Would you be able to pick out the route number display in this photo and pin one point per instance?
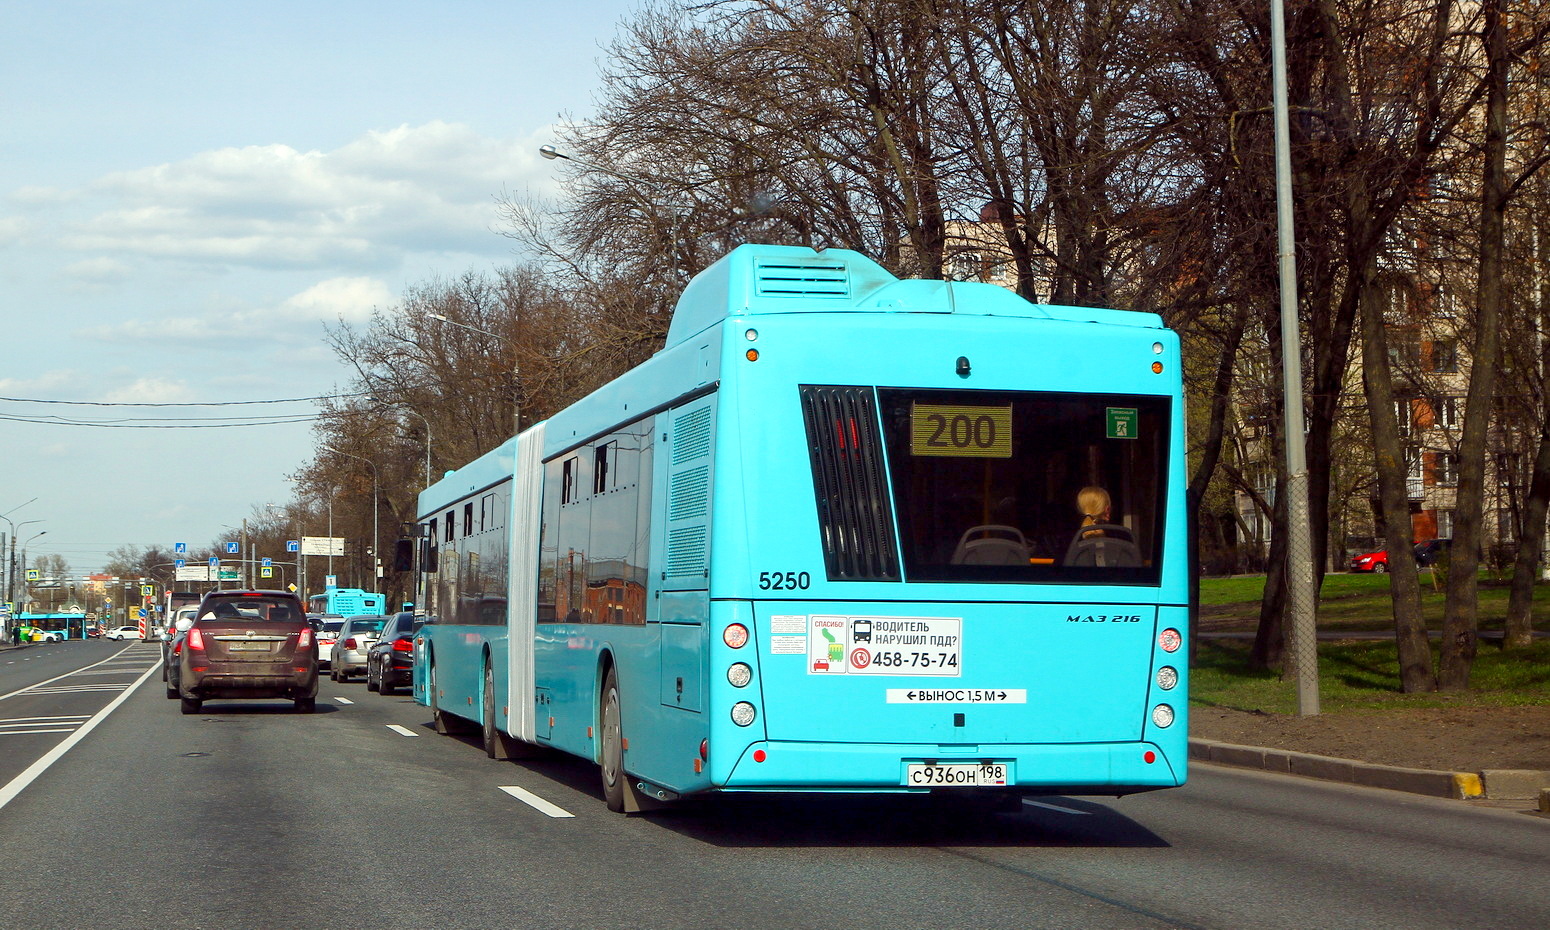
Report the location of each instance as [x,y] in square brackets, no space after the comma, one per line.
[961,431]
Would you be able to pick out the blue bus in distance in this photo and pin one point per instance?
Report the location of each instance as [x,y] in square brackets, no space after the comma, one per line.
[844,533]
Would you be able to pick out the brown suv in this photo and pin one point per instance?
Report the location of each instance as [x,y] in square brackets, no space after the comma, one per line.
[247,644]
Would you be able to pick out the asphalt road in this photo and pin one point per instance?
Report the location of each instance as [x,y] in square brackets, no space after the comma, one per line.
[250,816]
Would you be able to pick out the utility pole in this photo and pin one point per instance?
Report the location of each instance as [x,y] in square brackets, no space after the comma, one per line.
[1302,627]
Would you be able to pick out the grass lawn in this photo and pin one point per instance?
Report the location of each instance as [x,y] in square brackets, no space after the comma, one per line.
[1352,601]
[1364,675]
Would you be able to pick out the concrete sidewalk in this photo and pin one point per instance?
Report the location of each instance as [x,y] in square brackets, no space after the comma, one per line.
[1491,784]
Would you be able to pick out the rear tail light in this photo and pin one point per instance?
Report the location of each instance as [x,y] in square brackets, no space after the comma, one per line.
[403,645]
[1162,715]
[1167,678]
[196,640]
[735,635]
[304,641]
[1169,640]
[350,643]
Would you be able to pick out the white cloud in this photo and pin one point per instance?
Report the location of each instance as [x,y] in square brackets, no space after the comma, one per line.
[422,188]
[296,320]
[348,299]
[61,382]
[98,271]
[152,390]
[12,229]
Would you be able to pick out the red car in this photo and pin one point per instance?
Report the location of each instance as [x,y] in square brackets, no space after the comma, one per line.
[1426,554]
[1371,562]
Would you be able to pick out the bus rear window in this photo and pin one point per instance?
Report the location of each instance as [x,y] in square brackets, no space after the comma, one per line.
[1017,486]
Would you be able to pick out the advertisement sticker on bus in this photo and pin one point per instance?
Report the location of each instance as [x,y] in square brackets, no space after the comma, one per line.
[885,646]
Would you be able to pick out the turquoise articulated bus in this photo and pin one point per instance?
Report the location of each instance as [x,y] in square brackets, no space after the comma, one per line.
[844,532]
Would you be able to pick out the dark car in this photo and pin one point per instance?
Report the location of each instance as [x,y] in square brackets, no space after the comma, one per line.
[1429,552]
[245,645]
[390,661]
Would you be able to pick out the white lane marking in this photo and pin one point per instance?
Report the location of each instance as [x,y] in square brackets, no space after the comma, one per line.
[534,801]
[18,784]
[22,721]
[81,689]
[68,674]
[5,732]
[1056,807]
[401,731]
[344,700]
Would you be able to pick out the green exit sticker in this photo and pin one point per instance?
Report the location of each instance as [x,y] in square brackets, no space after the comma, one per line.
[1120,423]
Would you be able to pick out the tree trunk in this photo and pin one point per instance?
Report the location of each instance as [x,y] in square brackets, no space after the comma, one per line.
[1270,635]
[1519,632]
[1460,619]
[1415,655]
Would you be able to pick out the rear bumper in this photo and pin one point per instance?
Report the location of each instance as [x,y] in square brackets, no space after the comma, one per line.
[250,686]
[1085,768]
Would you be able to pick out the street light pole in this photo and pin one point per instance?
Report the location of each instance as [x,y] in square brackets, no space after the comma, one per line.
[375,537]
[516,369]
[1300,584]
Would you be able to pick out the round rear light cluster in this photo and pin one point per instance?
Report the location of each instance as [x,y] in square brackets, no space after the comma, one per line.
[1162,715]
[735,635]
[742,713]
[1167,678]
[1169,640]
[739,674]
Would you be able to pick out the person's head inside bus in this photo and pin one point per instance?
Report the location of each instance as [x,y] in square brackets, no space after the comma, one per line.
[1094,504]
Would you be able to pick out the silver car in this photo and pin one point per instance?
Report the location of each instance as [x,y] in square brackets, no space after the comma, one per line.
[356,637]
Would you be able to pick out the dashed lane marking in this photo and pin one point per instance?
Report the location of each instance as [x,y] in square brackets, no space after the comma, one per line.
[26,726]
[79,689]
[1056,807]
[344,700]
[534,801]
[401,731]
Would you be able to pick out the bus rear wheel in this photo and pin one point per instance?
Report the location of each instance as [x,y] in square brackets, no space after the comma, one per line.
[612,762]
[618,787]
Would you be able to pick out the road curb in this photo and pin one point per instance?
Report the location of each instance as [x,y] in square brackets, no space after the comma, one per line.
[1493,784]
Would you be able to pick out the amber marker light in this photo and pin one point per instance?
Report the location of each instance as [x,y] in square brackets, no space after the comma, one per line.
[1157,368]
[752,354]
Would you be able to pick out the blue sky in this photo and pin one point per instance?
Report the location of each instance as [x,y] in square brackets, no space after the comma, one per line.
[191,191]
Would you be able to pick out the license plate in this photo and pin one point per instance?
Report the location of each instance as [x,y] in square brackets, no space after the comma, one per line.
[248,647]
[956,774]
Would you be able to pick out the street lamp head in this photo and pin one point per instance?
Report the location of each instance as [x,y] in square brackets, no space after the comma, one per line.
[550,152]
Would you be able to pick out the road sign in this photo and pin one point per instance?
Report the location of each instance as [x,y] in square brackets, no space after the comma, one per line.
[322,545]
[266,563]
[180,548]
[147,590]
[231,548]
[266,572]
[292,545]
[214,561]
[178,563]
[33,574]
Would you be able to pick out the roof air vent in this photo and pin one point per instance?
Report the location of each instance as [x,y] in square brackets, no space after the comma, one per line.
[785,278]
